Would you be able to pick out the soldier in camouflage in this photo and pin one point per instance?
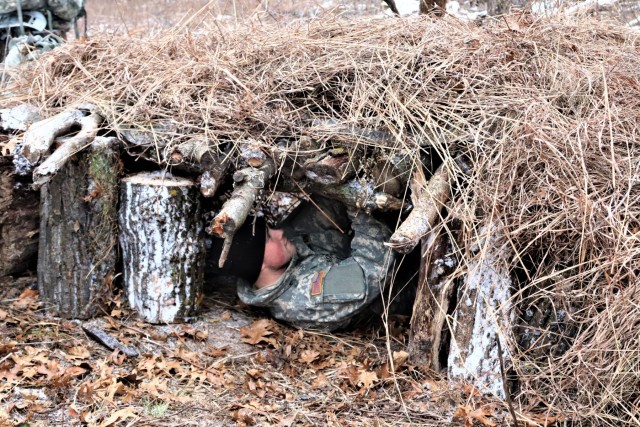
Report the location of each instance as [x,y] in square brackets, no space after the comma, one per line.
[324,266]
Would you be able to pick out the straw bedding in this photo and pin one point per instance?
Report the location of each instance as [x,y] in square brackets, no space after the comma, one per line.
[548,111]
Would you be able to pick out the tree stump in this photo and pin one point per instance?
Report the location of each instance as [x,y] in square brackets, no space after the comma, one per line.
[19,222]
[162,240]
[78,234]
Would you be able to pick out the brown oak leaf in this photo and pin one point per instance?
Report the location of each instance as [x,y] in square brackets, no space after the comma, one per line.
[258,332]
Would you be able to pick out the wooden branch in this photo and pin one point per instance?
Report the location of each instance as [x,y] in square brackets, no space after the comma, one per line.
[101,337]
[213,169]
[345,132]
[360,194]
[252,154]
[39,138]
[70,146]
[234,212]
[428,200]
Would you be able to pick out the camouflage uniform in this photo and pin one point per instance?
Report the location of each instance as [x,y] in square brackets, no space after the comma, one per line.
[63,9]
[334,275]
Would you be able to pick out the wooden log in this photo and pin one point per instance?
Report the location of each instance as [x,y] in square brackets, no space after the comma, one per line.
[19,221]
[19,117]
[78,234]
[202,156]
[249,182]
[161,235]
[391,173]
[428,200]
[436,288]
[19,205]
[332,168]
[483,315]
[360,194]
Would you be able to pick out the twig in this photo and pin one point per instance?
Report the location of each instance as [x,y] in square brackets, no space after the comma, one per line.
[507,396]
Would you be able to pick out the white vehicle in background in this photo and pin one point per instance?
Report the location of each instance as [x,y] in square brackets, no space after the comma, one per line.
[29,28]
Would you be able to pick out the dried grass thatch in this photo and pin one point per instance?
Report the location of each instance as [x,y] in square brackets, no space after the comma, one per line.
[548,111]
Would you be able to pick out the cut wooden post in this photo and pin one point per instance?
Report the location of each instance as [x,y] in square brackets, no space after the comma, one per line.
[436,286]
[162,240]
[483,315]
[78,231]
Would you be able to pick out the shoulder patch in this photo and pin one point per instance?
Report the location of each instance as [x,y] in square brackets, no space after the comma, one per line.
[317,283]
[345,282]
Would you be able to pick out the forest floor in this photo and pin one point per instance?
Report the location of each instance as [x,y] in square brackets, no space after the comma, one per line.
[232,366]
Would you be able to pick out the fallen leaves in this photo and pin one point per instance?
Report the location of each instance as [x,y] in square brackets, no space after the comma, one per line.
[367,379]
[469,416]
[259,332]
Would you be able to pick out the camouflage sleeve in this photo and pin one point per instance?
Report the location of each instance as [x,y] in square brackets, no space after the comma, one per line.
[251,295]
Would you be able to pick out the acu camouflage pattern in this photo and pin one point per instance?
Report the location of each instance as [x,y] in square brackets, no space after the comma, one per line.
[334,276]
[63,9]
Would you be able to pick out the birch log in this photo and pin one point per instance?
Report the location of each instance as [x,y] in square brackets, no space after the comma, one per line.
[161,235]
[78,236]
[483,315]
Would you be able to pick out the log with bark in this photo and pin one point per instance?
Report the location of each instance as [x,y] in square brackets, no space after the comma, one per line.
[483,315]
[161,235]
[78,230]
[19,205]
[436,288]
[19,224]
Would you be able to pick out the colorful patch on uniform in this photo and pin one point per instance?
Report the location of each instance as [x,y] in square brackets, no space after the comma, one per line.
[316,285]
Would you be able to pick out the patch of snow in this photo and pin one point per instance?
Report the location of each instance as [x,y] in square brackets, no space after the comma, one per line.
[21,165]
